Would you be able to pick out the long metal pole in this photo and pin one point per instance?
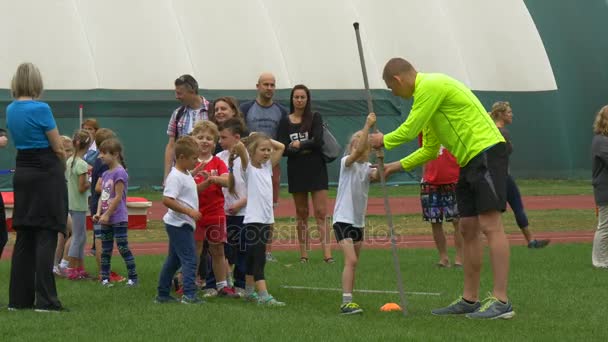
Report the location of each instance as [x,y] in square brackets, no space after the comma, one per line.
[380,157]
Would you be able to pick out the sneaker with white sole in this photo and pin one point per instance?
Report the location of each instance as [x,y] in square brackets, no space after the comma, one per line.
[165,299]
[457,307]
[132,283]
[270,258]
[208,293]
[492,308]
[350,309]
[252,297]
[106,283]
[270,301]
[192,300]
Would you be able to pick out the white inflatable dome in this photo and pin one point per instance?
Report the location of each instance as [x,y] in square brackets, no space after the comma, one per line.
[146,44]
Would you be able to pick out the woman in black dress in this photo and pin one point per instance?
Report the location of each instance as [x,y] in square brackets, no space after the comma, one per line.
[40,208]
[302,134]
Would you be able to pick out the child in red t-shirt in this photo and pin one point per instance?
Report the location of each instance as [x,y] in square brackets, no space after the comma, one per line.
[438,200]
[210,174]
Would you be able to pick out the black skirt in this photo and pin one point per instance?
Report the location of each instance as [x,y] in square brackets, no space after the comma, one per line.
[306,172]
[41,194]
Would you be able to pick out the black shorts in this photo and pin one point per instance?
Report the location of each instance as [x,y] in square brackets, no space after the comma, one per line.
[482,184]
[347,231]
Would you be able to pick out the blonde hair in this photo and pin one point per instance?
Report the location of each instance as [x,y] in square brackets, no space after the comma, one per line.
[186,146]
[206,125]
[600,125]
[68,146]
[253,141]
[354,137]
[27,81]
[498,109]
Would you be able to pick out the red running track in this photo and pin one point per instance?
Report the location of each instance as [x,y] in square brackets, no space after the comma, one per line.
[411,205]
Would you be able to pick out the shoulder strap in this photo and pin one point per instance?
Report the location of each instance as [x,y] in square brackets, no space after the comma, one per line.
[178,117]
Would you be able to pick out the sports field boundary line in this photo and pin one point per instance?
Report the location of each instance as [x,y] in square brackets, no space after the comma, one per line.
[293,287]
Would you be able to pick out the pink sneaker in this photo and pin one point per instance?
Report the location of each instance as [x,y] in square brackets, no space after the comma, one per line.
[73,273]
[227,292]
[82,274]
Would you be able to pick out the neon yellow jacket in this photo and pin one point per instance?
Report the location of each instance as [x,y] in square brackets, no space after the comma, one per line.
[449,114]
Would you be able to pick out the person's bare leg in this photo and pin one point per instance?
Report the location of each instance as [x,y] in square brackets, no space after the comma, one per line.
[527,234]
[458,243]
[441,243]
[491,225]
[351,257]
[300,200]
[319,204]
[218,261]
[59,248]
[473,252]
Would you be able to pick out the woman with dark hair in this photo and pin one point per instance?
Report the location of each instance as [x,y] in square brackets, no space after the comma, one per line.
[302,134]
[40,208]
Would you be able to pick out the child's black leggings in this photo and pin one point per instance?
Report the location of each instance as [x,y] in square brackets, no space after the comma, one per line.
[256,237]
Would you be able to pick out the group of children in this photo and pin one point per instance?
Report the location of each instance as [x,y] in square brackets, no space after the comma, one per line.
[97,181]
[227,200]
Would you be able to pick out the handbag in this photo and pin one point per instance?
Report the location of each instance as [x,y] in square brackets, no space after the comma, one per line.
[330,150]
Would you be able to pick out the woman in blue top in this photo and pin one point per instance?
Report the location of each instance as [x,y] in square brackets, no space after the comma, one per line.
[40,208]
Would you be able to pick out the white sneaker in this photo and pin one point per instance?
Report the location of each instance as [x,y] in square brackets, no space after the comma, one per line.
[106,283]
[240,291]
[131,283]
[270,258]
[207,293]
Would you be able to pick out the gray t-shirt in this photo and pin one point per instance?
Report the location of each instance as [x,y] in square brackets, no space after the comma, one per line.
[263,119]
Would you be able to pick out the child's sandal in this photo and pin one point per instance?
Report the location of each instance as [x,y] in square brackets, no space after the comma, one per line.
[329,260]
[303,260]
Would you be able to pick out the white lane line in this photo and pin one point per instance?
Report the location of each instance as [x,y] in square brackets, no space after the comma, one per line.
[362,291]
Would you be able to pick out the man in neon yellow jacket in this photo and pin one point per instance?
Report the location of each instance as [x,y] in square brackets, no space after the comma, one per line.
[449,114]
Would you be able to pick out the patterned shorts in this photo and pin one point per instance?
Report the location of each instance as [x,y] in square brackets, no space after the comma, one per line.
[438,202]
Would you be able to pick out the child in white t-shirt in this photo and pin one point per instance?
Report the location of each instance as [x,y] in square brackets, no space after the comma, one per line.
[351,206]
[235,200]
[265,154]
[181,198]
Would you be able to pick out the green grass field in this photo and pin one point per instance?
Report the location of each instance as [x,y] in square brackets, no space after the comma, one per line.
[556,295]
[528,187]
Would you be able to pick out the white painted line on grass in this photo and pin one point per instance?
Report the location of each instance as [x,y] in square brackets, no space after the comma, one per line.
[362,291]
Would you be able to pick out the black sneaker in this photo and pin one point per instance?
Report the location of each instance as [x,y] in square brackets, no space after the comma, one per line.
[350,309]
[52,309]
[538,243]
[165,299]
[457,307]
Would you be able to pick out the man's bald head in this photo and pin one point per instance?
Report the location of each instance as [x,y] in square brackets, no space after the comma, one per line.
[396,67]
[266,76]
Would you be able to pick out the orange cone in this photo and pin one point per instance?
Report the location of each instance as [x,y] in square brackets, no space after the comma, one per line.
[390,307]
